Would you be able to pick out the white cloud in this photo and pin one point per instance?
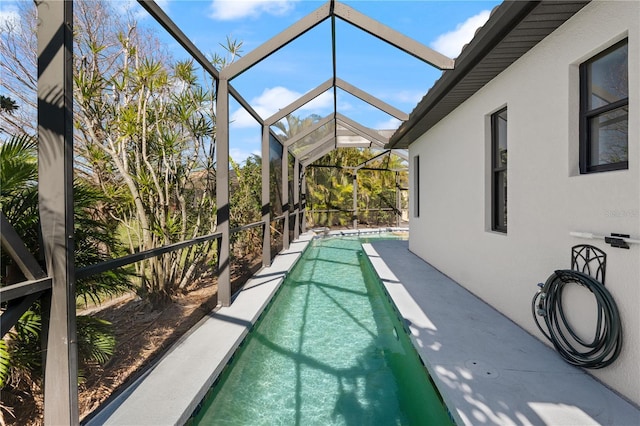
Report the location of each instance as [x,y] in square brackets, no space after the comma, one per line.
[225,10]
[275,98]
[240,155]
[164,4]
[451,43]
[132,7]
[390,124]
[9,18]
[403,96]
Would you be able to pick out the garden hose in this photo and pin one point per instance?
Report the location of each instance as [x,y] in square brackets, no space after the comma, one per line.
[607,341]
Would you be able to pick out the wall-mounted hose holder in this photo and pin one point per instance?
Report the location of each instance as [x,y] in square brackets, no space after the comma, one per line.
[590,260]
[618,240]
[614,240]
[589,266]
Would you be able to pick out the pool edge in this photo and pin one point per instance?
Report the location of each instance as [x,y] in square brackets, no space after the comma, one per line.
[169,391]
[402,305]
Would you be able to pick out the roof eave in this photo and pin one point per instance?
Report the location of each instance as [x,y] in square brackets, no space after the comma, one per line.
[503,20]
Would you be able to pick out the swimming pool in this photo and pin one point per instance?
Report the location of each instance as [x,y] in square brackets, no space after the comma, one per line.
[329,349]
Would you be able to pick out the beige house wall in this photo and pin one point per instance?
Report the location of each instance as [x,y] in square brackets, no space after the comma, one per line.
[547,197]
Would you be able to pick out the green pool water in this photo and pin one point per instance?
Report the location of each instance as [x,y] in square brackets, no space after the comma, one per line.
[329,350]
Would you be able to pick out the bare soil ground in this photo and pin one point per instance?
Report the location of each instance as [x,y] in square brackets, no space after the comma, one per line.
[142,336]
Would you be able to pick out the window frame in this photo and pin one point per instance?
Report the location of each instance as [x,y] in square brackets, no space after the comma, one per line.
[586,115]
[496,171]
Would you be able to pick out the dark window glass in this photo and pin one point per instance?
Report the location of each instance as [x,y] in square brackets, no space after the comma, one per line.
[608,137]
[604,110]
[416,186]
[501,201]
[499,171]
[501,138]
[608,79]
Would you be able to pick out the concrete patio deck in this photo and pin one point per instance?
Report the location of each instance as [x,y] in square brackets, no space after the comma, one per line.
[488,370]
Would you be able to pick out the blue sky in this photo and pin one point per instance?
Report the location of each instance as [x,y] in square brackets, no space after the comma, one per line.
[362,60]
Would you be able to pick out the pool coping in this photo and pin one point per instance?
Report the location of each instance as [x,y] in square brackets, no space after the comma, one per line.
[169,392]
[479,382]
[488,369]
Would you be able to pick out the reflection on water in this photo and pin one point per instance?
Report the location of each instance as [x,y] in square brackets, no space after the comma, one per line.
[326,352]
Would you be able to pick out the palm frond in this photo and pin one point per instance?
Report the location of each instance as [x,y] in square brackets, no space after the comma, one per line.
[96,341]
[5,363]
[18,161]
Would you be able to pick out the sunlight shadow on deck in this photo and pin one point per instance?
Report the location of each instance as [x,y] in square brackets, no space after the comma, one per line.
[488,369]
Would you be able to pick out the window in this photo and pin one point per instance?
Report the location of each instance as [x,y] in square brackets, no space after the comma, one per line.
[499,171]
[604,110]
[416,186]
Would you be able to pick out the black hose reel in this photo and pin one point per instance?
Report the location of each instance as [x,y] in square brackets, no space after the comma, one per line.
[588,270]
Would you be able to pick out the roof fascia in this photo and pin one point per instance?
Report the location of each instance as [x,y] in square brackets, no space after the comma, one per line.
[503,20]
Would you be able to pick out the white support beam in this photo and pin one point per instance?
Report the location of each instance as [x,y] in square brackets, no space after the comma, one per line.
[303,198]
[372,100]
[326,149]
[234,93]
[393,37]
[360,129]
[55,203]
[302,100]
[286,208]
[402,153]
[306,132]
[266,198]
[354,197]
[328,138]
[276,43]
[222,193]
[296,198]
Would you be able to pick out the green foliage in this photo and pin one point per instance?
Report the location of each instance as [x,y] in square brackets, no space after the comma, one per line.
[19,165]
[18,191]
[246,191]
[96,341]
[94,242]
[146,133]
[330,189]
[5,363]
[246,202]
[7,105]
[21,352]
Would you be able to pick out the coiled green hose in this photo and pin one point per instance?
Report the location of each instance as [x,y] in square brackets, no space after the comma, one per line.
[607,341]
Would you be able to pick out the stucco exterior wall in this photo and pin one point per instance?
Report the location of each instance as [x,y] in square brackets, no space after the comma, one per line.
[547,197]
